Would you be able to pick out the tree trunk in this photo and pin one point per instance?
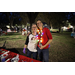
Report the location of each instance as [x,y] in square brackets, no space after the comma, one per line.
[59,29]
[31,21]
[11,23]
[32,17]
[50,24]
[21,29]
[31,24]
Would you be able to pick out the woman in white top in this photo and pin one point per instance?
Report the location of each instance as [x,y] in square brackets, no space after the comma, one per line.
[31,43]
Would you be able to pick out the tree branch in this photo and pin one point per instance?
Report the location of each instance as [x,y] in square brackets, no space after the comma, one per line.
[36,13]
[28,14]
[7,14]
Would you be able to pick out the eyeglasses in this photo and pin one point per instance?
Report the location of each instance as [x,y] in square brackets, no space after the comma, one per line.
[39,23]
[33,27]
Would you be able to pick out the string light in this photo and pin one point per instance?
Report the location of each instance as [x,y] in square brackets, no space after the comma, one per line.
[39,32]
[36,36]
[41,40]
[37,41]
[41,35]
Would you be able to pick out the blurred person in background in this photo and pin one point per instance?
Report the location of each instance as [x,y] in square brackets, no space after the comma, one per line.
[0,32]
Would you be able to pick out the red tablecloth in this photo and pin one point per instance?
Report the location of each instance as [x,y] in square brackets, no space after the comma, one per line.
[21,57]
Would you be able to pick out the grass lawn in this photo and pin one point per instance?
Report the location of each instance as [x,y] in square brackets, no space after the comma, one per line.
[62,48]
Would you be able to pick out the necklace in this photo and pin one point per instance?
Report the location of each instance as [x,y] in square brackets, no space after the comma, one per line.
[39,32]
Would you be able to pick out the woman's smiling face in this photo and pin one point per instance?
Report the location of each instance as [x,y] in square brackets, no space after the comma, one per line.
[34,28]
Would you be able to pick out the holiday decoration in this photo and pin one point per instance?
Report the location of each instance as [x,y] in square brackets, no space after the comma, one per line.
[39,32]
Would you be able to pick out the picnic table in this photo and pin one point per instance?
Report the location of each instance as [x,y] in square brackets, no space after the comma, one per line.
[8,56]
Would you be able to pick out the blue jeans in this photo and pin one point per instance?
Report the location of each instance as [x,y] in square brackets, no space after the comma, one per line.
[29,54]
[43,54]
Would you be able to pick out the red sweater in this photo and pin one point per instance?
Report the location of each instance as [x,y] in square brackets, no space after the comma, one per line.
[46,36]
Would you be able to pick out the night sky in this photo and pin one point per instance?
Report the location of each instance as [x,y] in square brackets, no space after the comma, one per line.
[19,19]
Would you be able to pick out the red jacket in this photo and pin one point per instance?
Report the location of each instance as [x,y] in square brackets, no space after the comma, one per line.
[46,36]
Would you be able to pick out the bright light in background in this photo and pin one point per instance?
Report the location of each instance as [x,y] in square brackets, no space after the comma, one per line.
[71,26]
[8,26]
[65,27]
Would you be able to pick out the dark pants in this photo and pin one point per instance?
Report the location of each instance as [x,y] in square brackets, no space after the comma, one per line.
[43,54]
[29,54]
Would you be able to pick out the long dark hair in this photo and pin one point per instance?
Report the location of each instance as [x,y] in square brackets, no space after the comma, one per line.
[38,28]
[39,19]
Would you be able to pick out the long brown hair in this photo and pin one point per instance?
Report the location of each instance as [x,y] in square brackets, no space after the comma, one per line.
[38,28]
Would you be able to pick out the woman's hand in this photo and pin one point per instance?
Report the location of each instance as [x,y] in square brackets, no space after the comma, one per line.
[41,47]
[24,50]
